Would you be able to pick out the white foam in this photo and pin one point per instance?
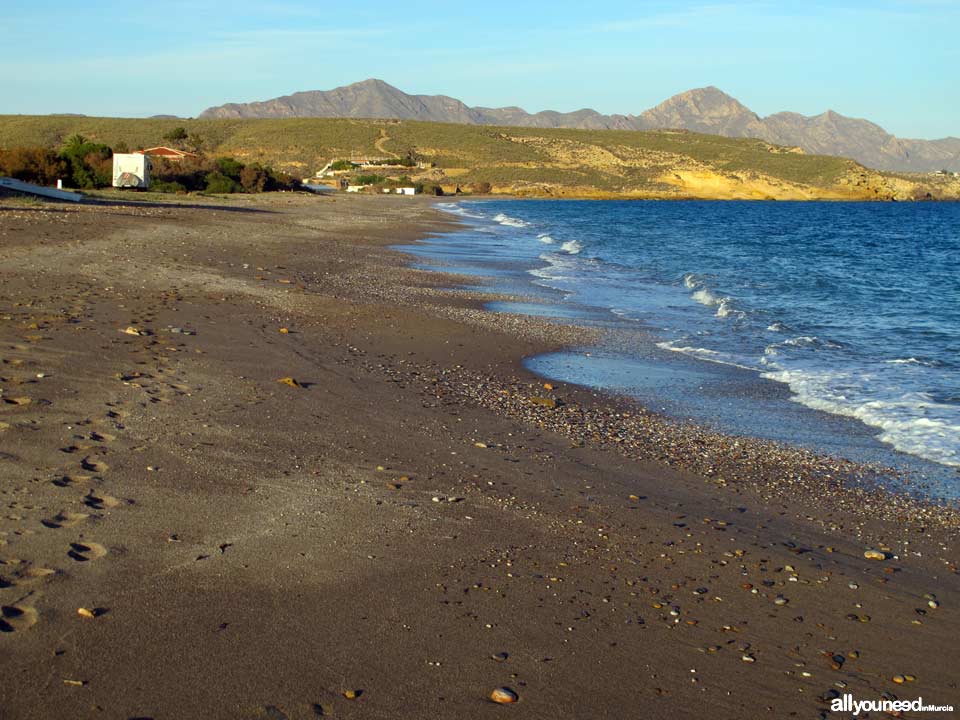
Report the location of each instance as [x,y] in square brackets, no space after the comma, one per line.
[544,238]
[504,219]
[571,247]
[704,354]
[910,422]
[691,281]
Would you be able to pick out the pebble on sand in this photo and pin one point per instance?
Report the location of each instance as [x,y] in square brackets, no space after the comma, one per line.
[504,696]
[875,555]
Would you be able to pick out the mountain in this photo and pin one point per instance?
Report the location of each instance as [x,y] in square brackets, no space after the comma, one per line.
[704,110]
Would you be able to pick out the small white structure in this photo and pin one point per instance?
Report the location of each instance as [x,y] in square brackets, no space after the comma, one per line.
[356,188]
[406,191]
[131,170]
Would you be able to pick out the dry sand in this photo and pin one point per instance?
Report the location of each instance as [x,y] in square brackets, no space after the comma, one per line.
[401,530]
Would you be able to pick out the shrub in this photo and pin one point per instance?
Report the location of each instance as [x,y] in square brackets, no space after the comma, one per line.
[176,135]
[369,179]
[33,164]
[217,182]
[90,163]
[254,179]
[342,165]
[230,167]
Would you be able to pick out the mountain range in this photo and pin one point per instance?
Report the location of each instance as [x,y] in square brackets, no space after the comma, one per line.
[705,110]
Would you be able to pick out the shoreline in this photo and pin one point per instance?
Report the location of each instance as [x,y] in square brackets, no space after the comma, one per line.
[599,338]
[397,519]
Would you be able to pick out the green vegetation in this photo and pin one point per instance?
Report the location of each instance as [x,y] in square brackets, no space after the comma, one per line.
[603,159]
[342,165]
[369,179]
[178,134]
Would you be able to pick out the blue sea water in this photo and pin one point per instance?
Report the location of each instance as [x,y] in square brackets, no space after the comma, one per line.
[852,308]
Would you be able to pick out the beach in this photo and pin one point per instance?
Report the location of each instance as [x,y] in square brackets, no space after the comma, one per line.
[257,466]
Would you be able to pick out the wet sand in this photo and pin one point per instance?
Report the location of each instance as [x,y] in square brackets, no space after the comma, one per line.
[414,520]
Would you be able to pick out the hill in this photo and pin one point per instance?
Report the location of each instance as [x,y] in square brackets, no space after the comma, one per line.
[706,110]
[516,160]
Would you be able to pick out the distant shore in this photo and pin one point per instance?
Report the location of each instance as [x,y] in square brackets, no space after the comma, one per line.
[284,474]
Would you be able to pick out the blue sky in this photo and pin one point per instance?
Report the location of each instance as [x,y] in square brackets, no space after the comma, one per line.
[891,61]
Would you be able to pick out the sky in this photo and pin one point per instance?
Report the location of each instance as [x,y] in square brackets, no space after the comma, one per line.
[894,62]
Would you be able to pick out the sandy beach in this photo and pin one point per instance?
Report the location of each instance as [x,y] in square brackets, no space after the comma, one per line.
[255,466]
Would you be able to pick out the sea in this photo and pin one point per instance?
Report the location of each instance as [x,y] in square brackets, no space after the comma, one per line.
[828,325]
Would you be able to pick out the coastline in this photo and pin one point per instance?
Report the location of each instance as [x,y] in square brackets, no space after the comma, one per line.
[272,508]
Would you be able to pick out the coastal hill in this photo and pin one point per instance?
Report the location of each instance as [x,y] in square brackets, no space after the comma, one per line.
[544,162]
[706,110]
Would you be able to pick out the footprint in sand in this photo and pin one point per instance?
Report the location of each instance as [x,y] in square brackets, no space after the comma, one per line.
[34,574]
[17,401]
[101,502]
[86,551]
[26,576]
[71,449]
[16,618]
[92,465]
[70,480]
[64,520]
[102,437]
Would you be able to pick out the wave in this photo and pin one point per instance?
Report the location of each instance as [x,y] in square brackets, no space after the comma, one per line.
[705,354]
[505,219]
[544,238]
[704,296]
[571,247]
[907,422]
[456,209]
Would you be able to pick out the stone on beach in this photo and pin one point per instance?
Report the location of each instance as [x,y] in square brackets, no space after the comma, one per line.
[875,555]
[504,696]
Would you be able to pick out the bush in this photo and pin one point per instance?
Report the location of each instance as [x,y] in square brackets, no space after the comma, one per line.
[368,179]
[217,182]
[342,165]
[167,187]
[230,167]
[33,164]
[90,163]
[176,135]
[254,179]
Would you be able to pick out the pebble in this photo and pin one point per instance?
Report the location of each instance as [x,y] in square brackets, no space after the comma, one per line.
[875,555]
[748,658]
[504,696]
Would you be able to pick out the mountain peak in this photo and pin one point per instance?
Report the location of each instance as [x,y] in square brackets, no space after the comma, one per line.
[705,109]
